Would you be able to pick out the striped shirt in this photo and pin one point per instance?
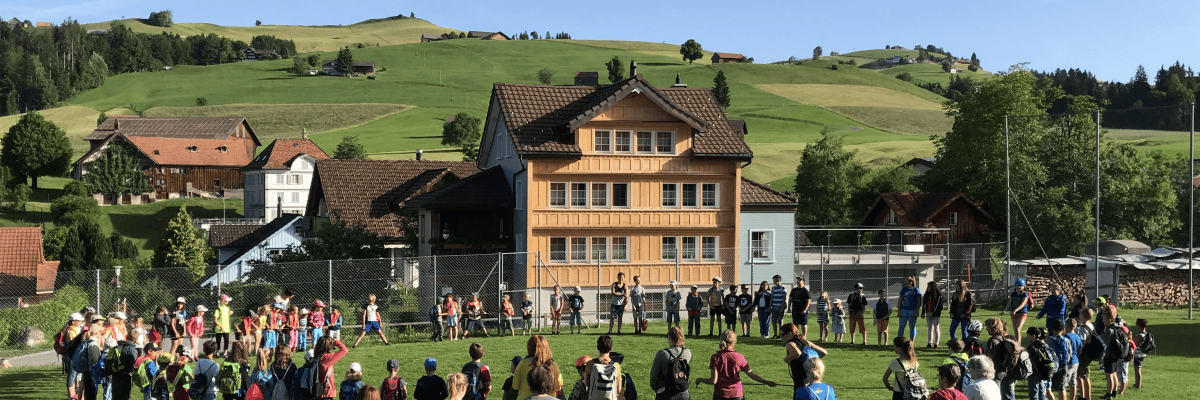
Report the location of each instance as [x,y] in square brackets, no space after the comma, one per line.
[778,295]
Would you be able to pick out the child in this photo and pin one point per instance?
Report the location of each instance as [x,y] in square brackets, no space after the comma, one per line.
[316,319]
[1038,385]
[1145,344]
[352,383]
[579,391]
[150,354]
[436,314]
[245,329]
[274,330]
[673,299]
[960,358]
[948,374]
[506,314]
[746,309]
[883,310]
[823,315]
[478,372]
[838,319]
[731,309]
[222,317]
[556,306]
[510,392]
[526,315]
[762,300]
[177,375]
[726,366]
[370,321]
[195,327]
[138,334]
[475,312]
[160,325]
[393,387]
[694,304]
[900,366]
[603,373]
[292,326]
[335,323]
[637,296]
[1066,346]
[178,319]
[431,386]
[302,331]
[576,303]
[451,308]
[262,326]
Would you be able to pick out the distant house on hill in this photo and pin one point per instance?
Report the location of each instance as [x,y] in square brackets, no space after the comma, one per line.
[44,25]
[15,23]
[98,32]
[587,78]
[433,37]
[278,179]
[26,277]
[478,34]
[723,58]
[329,67]
[965,217]
[922,165]
[497,36]
[252,54]
[182,157]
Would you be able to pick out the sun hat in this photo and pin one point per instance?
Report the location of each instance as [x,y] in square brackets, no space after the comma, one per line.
[304,310]
[310,354]
[181,299]
[582,361]
[430,363]
[119,315]
[673,283]
[226,298]
[75,317]
[356,367]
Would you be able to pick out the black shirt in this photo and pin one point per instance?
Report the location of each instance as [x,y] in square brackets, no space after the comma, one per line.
[856,304]
[745,303]
[731,304]
[800,296]
[576,302]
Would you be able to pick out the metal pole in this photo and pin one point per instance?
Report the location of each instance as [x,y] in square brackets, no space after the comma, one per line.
[1096,257]
[97,293]
[1007,200]
[330,283]
[1191,205]
[499,289]
[539,293]
[598,308]
[677,263]
[822,259]
[887,259]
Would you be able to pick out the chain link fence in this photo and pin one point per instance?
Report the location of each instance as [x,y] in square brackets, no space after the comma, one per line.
[836,269]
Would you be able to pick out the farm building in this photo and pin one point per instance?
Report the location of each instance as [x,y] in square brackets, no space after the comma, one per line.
[26,277]
[238,246]
[44,25]
[591,78]
[722,58]
[182,156]
[277,181]
[433,37]
[496,36]
[329,67]
[965,218]
[252,54]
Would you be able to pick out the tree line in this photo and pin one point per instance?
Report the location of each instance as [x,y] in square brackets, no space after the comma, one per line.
[1159,106]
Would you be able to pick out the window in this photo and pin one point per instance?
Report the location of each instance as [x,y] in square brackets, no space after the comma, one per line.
[623,140]
[274,252]
[620,249]
[162,182]
[708,248]
[193,148]
[599,195]
[603,142]
[709,198]
[669,193]
[666,142]
[620,195]
[645,142]
[688,248]
[579,192]
[558,249]
[669,248]
[278,178]
[891,217]
[760,245]
[689,195]
[295,197]
[599,249]
[558,194]
[223,149]
[579,250]
[953,218]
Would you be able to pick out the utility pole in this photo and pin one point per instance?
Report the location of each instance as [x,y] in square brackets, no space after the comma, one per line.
[1096,257]
[1007,201]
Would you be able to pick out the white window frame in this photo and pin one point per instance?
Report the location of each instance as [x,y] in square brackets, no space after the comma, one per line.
[599,248]
[689,255]
[598,200]
[587,189]
[891,219]
[562,254]
[602,141]
[716,195]
[673,254]
[572,251]
[953,218]
[769,245]
[695,198]
[613,194]
[628,142]
[657,136]
[624,248]
[566,197]
[637,136]
[674,195]
[279,179]
[715,246]
[295,197]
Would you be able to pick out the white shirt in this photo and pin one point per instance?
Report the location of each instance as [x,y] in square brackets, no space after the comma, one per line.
[371,312]
[986,389]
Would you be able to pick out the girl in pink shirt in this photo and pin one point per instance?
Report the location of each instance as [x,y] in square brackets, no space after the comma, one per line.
[195,327]
[316,319]
[726,367]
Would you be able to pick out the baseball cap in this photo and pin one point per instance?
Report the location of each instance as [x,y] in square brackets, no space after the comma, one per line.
[1019,282]
[582,361]
[201,308]
[308,355]
[430,363]
[320,304]
[75,317]
[86,310]
[858,286]
[578,289]
[695,287]
[119,315]
[225,297]
[673,283]
[151,347]
[356,367]
[393,364]
[181,299]
[1102,300]
[717,278]
[97,317]
[517,360]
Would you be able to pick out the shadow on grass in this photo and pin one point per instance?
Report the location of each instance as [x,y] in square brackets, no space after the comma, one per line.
[279,78]
[32,383]
[425,137]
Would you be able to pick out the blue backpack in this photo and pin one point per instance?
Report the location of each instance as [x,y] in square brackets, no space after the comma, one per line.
[79,358]
[99,374]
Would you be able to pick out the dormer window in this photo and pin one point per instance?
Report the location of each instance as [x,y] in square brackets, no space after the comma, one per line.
[223,149]
[193,148]
[156,152]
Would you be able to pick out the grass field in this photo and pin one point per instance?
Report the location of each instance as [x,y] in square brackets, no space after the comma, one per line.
[1169,142]
[854,371]
[308,38]
[932,73]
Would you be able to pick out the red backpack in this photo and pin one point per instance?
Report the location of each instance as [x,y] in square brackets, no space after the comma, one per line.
[60,345]
[254,392]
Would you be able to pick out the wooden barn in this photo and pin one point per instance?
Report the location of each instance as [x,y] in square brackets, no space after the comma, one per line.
[965,217]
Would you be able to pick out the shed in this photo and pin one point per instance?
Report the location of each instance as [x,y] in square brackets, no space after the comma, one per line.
[722,58]
[1116,247]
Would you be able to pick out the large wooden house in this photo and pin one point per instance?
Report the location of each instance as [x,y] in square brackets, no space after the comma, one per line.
[965,218]
[182,157]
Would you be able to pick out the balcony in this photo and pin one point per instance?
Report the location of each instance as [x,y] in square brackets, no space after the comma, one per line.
[620,218]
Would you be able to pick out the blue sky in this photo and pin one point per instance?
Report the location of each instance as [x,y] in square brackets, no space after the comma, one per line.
[1109,38]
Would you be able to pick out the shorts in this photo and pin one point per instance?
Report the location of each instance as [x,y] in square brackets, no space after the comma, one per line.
[1064,378]
[777,314]
[858,319]
[715,312]
[1137,361]
[451,320]
[800,319]
[1109,366]
[576,318]
[616,311]
[881,324]
[335,334]
[1123,371]
[472,324]
[371,326]
[747,317]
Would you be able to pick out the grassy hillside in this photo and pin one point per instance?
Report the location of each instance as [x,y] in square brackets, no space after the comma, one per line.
[932,73]
[308,38]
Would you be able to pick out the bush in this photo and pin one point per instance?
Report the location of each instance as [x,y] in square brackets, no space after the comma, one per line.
[201,102]
[972,68]
[852,62]
[47,316]
[75,188]
[833,67]
[371,77]
[904,76]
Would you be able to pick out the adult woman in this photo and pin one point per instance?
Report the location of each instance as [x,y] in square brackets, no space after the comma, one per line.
[762,300]
[1019,302]
[906,359]
[962,304]
[931,309]
[619,296]
[983,384]
[326,358]
[538,353]
[541,382]
[456,385]
[815,389]
[799,350]
[726,367]
[282,367]
[663,361]
[910,306]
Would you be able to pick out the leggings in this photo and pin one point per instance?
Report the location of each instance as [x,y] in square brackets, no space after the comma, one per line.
[934,325]
[222,340]
[954,326]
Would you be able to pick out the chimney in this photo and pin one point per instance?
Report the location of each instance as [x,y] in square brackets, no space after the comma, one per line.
[632,68]
[678,82]
[116,124]
[419,153]
[304,133]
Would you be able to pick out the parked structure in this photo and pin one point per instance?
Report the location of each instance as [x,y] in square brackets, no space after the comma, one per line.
[278,179]
[26,278]
[252,54]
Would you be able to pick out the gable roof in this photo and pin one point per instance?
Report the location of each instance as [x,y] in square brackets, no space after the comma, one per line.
[919,208]
[215,128]
[281,152]
[23,269]
[167,151]
[363,64]
[261,51]
[478,34]
[231,235]
[369,192]
[493,35]
[734,56]
[739,126]
[485,190]
[757,195]
[247,237]
[541,119]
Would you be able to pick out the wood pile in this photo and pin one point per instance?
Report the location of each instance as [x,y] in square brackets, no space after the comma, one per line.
[1137,286]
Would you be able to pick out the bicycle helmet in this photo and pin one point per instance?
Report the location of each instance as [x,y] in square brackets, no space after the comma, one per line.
[975,327]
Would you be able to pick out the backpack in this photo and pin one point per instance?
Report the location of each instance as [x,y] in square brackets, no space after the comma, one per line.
[112,361]
[98,371]
[140,377]
[433,313]
[1045,362]
[912,384]
[202,381]
[1007,355]
[1119,342]
[318,380]
[60,343]
[630,388]
[300,380]
[1147,343]
[254,392]
[973,347]
[1094,348]
[602,383]
[677,377]
[154,336]
[965,379]
[349,390]
[229,378]
[281,390]
[79,360]
[473,372]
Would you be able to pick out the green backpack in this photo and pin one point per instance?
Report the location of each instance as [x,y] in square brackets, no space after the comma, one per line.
[229,378]
[112,361]
[140,378]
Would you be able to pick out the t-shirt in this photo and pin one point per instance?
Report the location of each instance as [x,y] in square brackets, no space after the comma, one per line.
[778,296]
[856,304]
[371,312]
[1016,298]
[815,391]
[898,370]
[506,309]
[883,309]
[948,394]
[576,302]
[983,389]
[910,301]
[221,319]
[179,318]
[731,303]
[1063,349]
[673,297]
[527,309]
[799,297]
[209,368]
[719,295]
[390,388]
[729,365]
[556,302]
[430,387]
[763,300]
[637,295]
[745,303]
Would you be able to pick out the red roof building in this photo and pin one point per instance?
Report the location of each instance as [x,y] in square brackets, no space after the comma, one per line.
[965,217]
[25,275]
[278,179]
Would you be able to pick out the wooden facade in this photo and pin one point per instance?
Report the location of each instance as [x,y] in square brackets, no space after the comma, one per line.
[175,180]
[967,221]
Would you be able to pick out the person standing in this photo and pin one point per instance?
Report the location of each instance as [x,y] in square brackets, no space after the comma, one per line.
[746,309]
[1054,306]
[694,304]
[905,361]
[673,298]
[1019,302]
[575,301]
[371,322]
[179,318]
[556,307]
[662,379]
[637,296]
[962,304]
[620,294]
[801,300]
[931,308]
[762,300]
[799,350]
[778,303]
[726,367]
[909,303]
[221,325]
[716,301]
[856,308]
[537,354]
[731,308]
[326,359]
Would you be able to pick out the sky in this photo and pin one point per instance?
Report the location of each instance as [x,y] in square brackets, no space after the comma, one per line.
[1109,38]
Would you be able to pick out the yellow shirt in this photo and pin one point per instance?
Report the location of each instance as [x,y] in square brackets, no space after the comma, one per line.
[522,371]
[221,319]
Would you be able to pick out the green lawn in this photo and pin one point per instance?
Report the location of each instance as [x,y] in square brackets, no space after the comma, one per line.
[308,38]
[854,371]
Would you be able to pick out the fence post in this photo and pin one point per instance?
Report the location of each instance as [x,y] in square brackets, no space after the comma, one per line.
[887,263]
[219,281]
[539,293]
[677,263]
[330,262]
[499,290]
[598,308]
[97,293]
[822,281]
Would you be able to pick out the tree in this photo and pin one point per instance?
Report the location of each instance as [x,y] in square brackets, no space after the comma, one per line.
[616,70]
[182,246]
[904,76]
[463,132]
[691,51]
[35,147]
[201,102]
[720,90]
[94,72]
[345,60]
[117,171]
[162,18]
[817,53]
[257,23]
[350,149]
[71,209]
[974,60]
[412,15]
[945,66]
[86,248]
[826,179]
[533,35]
[545,75]
[300,66]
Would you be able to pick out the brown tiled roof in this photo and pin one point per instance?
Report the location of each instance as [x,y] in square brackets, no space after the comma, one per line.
[281,152]
[168,151]
[541,119]
[734,56]
[369,192]
[754,193]
[589,74]
[221,236]
[739,126]
[213,128]
[478,34]
[485,190]
[23,270]
[364,64]
[918,208]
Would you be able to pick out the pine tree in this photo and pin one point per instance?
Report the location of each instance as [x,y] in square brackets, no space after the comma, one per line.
[720,90]
[182,246]
[616,69]
[345,60]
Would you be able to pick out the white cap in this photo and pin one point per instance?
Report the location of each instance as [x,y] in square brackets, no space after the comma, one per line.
[185,352]
[356,367]
[75,317]
[578,289]
[717,278]
[304,311]
[308,355]
[180,299]
[226,298]
[201,308]
[119,315]
[110,343]
[673,283]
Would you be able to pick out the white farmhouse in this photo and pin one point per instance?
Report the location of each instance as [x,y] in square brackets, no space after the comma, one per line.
[278,179]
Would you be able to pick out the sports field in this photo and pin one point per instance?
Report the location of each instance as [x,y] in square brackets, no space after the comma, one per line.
[854,371]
